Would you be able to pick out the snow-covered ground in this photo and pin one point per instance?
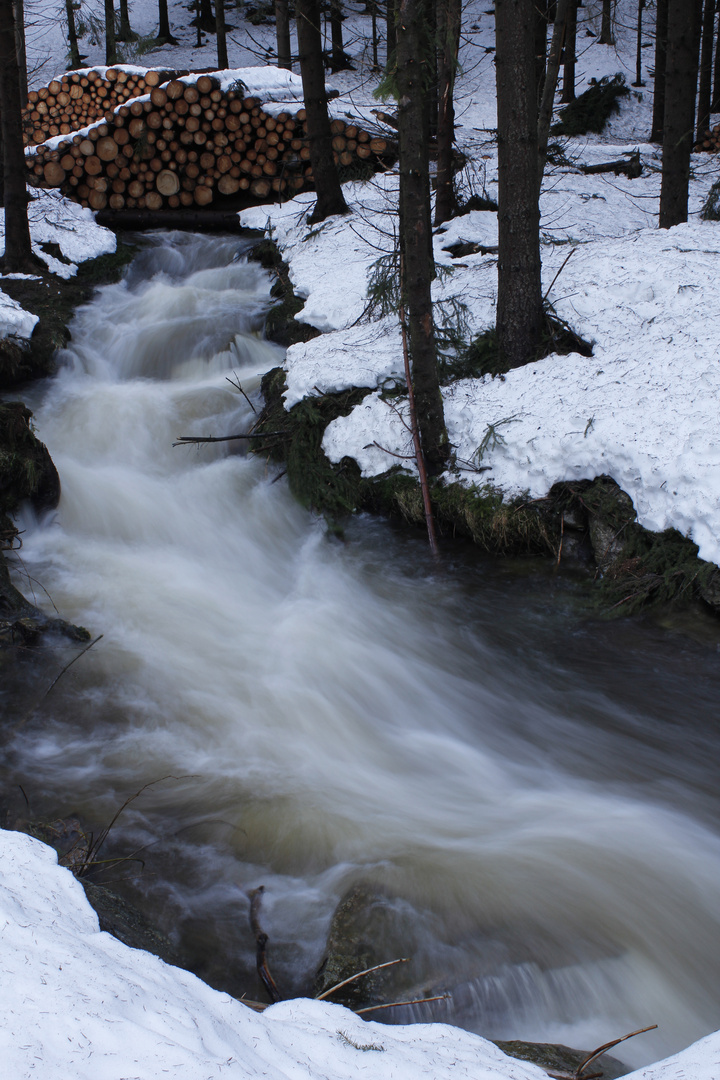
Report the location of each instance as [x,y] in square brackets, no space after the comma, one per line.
[75,1002]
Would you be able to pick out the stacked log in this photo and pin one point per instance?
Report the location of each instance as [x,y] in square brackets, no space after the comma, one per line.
[187,142]
[80,98]
[710,141]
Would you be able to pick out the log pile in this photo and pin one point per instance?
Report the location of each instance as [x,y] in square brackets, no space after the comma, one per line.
[187,142]
[80,98]
[710,141]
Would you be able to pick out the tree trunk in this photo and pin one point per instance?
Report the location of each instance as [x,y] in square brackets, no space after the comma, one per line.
[330,199]
[110,47]
[282,27]
[19,12]
[222,54]
[391,8]
[661,41]
[206,17]
[568,91]
[606,34]
[337,51]
[417,266]
[715,107]
[638,46]
[684,18]
[373,19]
[550,85]
[75,60]
[126,31]
[706,65]
[448,25]
[541,28]
[519,306]
[18,249]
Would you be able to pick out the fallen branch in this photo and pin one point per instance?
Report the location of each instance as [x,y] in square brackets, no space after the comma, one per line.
[261,940]
[359,975]
[395,1004]
[608,1046]
[630,166]
[184,440]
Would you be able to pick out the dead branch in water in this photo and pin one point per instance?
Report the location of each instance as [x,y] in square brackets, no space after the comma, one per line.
[188,440]
[261,940]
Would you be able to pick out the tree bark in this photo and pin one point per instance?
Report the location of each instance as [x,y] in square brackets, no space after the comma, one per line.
[684,18]
[75,60]
[330,199]
[18,249]
[661,41]
[519,307]
[110,46]
[222,53]
[448,25]
[706,65]
[417,265]
[282,27]
[715,107]
[606,34]
[568,91]
[391,8]
[19,12]
[541,28]
[337,51]
[126,31]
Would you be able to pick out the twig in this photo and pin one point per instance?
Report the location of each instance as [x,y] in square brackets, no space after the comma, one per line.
[261,940]
[358,975]
[56,680]
[562,534]
[403,457]
[394,1004]
[565,262]
[608,1046]
[236,382]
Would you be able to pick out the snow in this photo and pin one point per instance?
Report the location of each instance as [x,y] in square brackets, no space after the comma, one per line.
[77,1003]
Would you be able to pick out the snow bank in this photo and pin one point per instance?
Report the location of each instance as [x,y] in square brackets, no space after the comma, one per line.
[56,220]
[76,1003]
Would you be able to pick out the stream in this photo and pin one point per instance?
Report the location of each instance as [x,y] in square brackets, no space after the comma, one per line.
[533,790]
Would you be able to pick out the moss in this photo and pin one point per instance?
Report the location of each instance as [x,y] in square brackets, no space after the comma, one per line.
[53,300]
[483,356]
[281,326]
[26,469]
[592,110]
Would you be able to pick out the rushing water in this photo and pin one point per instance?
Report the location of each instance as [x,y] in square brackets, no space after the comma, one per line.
[536,795]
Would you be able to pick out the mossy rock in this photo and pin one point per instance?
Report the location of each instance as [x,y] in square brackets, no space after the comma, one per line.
[281,326]
[53,300]
[27,472]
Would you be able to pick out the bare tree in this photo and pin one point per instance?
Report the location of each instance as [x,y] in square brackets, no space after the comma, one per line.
[661,41]
[338,59]
[18,249]
[568,90]
[448,30]
[19,13]
[706,65]
[330,199]
[110,46]
[684,19]
[282,27]
[519,307]
[606,23]
[75,58]
[125,31]
[414,44]
[222,53]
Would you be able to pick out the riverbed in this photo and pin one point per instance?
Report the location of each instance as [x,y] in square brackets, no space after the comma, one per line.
[533,791]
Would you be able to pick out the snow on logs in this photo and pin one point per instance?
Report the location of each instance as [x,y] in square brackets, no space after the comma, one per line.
[184,142]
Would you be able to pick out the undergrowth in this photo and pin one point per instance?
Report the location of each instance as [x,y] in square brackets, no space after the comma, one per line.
[591,111]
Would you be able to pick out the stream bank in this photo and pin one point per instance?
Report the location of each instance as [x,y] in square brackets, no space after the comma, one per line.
[589,524]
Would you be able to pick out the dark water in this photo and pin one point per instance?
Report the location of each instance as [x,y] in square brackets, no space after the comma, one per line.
[535,791]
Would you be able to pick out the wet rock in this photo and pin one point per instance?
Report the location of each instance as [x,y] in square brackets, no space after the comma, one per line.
[610,513]
[361,932]
[125,922]
[557,1058]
